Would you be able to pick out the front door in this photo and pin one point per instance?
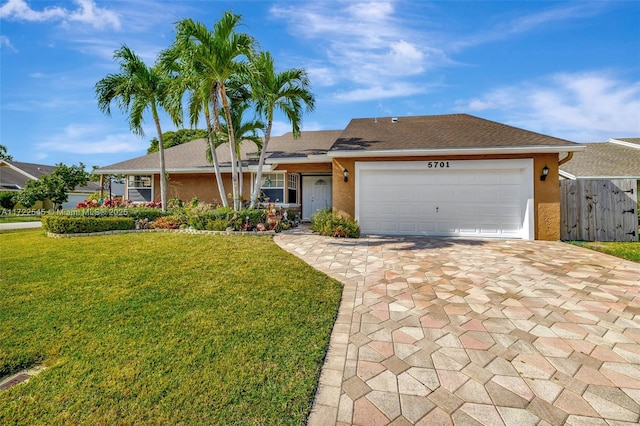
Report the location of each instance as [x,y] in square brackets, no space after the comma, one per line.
[316,194]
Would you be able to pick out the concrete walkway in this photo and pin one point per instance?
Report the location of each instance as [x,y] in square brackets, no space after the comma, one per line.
[20,225]
[476,332]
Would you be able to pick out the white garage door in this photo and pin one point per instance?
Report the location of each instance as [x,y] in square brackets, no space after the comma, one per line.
[471,198]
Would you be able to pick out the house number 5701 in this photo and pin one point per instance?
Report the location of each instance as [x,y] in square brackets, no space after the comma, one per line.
[437,164]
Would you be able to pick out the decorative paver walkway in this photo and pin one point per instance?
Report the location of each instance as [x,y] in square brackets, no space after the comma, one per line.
[476,332]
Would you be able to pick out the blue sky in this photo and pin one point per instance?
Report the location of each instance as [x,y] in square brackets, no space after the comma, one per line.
[567,69]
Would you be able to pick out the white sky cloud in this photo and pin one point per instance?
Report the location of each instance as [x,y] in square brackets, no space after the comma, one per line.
[585,107]
[365,44]
[86,12]
[5,42]
[91,139]
[525,23]
[380,91]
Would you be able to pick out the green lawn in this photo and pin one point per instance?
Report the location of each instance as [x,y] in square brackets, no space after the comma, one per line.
[160,328]
[630,251]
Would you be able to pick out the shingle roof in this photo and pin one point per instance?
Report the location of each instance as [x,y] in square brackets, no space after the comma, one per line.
[10,177]
[191,155]
[364,134]
[436,132]
[310,143]
[629,140]
[605,159]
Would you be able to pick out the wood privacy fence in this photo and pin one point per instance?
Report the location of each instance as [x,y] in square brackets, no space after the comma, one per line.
[599,210]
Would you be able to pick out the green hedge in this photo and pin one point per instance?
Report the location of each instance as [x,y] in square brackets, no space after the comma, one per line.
[134,212]
[81,225]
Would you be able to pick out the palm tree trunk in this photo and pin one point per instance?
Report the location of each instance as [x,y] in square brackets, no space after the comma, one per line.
[240,179]
[263,151]
[163,172]
[214,155]
[232,146]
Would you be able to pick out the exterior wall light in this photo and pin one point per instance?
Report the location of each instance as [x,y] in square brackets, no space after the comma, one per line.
[345,175]
[545,172]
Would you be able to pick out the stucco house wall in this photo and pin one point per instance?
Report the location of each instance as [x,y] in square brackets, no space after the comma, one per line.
[546,193]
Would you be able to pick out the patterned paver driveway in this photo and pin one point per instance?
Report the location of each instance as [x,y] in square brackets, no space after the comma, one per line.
[492,332]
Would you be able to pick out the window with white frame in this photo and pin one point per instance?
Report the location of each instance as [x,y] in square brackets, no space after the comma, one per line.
[272,187]
[293,182]
[139,188]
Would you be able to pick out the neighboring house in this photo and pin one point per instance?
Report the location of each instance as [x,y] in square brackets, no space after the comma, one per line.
[615,159]
[14,175]
[445,175]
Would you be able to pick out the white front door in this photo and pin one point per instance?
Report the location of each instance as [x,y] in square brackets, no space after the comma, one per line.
[316,194]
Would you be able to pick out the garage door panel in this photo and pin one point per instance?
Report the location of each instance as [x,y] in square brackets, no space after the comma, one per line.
[470,202]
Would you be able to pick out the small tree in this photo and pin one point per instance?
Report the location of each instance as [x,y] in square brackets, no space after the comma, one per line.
[4,155]
[55,187]
[7,200]
[178,137]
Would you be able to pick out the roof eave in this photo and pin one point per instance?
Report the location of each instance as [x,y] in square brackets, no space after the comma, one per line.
[605,177]
[550,149]
[624,143]
[156,171]
[566,175]
[316,158]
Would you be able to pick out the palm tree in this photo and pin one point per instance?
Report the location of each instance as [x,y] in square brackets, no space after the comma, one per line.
[285,91]
[214,57]
[244,131]
[136,89]
[175,61]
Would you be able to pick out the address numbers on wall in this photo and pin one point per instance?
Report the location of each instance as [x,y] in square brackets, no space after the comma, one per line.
[437,165]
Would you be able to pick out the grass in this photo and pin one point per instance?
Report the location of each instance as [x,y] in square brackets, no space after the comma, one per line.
[160,328]
[626,250]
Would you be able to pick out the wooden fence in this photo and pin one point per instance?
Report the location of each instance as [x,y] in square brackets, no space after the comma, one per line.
[599,210]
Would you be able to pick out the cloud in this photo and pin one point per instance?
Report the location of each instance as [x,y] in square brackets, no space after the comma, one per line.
[381,91]
[91,139]
[511,27]
[586,107]
[6,43]
[86,12]
[362,44]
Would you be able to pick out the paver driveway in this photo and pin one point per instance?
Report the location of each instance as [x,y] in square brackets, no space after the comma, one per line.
[492,332]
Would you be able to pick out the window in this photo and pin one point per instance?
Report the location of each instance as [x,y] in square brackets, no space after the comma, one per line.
[272,186]
[292,188]
[139,188]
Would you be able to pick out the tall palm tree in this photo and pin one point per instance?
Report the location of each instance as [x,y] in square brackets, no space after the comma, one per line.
[136,90]
[244,131]
[285,91]
[187,79]
[214,57]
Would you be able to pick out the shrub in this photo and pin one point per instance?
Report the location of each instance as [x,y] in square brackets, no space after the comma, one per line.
[326,222]
[164,223]
[79,225]
[247,219]
[216,225]
[116,202]
[144,213]
[7,200]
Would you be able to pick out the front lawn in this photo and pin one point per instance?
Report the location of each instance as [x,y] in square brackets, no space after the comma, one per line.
[629,250]
[160,328]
